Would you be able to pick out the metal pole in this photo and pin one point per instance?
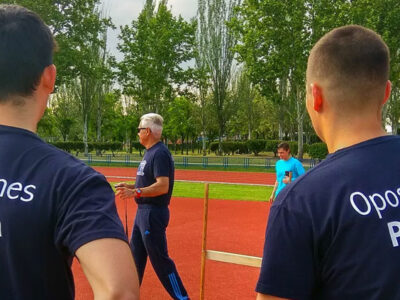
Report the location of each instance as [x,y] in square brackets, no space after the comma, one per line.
[204,242]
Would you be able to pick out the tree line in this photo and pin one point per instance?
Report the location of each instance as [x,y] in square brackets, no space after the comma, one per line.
[234,72]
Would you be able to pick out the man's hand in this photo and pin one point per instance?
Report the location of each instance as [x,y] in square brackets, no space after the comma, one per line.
[286,180]
[125,192]
[121,184]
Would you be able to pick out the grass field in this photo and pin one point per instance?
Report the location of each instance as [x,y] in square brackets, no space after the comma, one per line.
[222,191]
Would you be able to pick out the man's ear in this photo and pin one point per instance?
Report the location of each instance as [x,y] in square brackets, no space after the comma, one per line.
[318,100]
[48,79]
[388,89]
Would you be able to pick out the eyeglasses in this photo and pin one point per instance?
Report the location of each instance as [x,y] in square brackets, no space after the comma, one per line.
[140,128]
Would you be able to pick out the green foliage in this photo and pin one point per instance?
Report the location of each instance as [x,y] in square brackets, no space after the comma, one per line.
[256,146]
[229,147]
[242,147]
[217,43]
[306,148]
[154,47]
[79,146]
[272,146]
[214,146]
[318,150]
[138,146]
[180,121]
[293,147]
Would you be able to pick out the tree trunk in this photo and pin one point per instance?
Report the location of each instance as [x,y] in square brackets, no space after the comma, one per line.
[85,134]
[300,121]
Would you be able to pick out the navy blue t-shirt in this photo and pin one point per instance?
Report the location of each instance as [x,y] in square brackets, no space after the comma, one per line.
[157,162]
[334,233]
[50,205]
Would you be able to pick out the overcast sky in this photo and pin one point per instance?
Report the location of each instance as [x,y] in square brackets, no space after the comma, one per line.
[122,12]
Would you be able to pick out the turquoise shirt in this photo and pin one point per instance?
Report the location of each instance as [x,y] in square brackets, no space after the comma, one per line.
[292,165]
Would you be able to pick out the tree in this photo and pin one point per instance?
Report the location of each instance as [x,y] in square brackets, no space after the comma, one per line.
[218,42]
[245,95]
[202,75]
[384,18]
[155,46]
[179,120]
[93,70]
[65,110]
[46,125]
[275,40]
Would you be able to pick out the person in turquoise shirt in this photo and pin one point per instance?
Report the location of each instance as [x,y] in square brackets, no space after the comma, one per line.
[287,169]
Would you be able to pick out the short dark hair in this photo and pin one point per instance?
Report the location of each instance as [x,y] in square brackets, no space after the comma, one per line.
[26,49]
[352,59]
[285,146]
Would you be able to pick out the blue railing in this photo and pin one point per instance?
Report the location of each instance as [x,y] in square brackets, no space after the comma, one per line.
[225,162]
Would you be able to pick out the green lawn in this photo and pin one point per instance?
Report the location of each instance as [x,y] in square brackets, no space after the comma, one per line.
[222,191]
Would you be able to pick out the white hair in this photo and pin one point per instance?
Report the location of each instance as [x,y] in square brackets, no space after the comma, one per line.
[154,122]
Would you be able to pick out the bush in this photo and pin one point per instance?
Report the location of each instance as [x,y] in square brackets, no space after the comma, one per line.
[294,148]
[228,147]
[256,146]
[318,150]
[242,147]
[101,147]
[77,146]
[272,146]
[214,147]
[305,148]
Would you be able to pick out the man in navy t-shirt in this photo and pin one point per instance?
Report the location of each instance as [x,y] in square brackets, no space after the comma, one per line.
[52,206]
[334,233]
[152,192]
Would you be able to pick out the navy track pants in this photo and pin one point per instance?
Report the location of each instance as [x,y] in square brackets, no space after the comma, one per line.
[149,239]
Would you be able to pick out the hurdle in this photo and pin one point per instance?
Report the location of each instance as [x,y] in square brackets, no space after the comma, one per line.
[227,257]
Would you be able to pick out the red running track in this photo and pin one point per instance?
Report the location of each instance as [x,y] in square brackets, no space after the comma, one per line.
[198,175]
[233,226]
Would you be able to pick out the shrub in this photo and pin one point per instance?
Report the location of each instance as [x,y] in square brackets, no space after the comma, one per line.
[242,147]
[294,148]
[305,148]
[228,147]
[256,146]
[214,146]
[272,146]
[318,150]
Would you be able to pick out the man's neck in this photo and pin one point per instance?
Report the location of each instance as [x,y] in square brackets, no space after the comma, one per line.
[339,137]
[18,116]
[151,143]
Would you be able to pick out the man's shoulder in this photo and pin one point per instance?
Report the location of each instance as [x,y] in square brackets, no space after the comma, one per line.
[357,165]
[294,161]
[161,149]
[60,163]
[60,157]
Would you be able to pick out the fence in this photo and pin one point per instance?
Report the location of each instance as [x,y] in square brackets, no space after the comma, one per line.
[225,162]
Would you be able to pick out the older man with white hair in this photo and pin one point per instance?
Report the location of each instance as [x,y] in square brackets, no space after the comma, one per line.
[152,192]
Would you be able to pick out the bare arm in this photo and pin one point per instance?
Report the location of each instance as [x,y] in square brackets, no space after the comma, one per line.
[160,187]
[272,197]
[124,184]
[268,297]
[110,269]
